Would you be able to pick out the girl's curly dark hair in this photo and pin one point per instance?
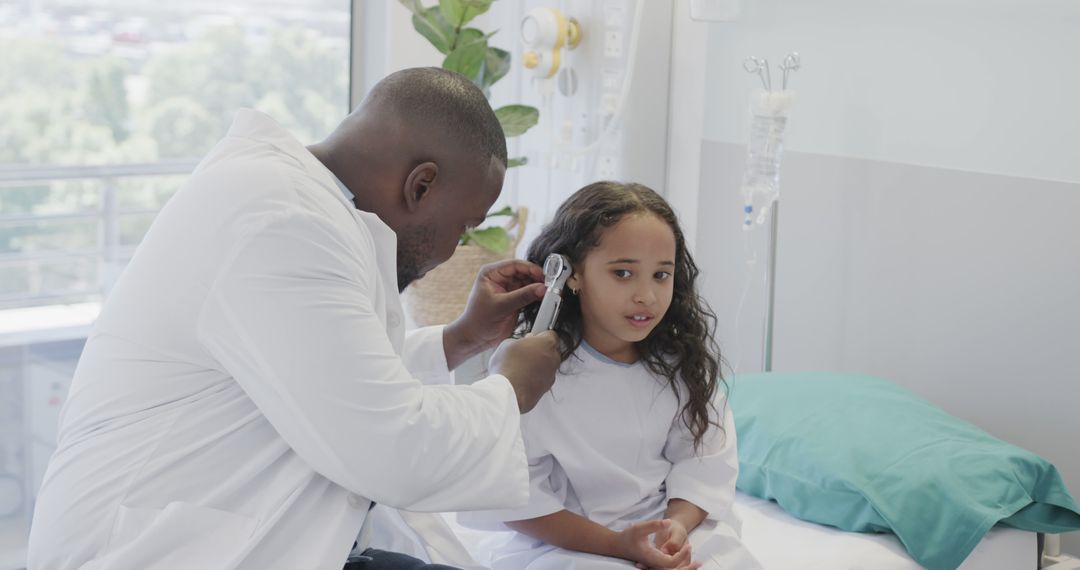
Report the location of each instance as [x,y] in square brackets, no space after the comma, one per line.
[681,348]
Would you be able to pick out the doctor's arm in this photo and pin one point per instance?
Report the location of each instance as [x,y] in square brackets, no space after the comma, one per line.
[499,293]
[528,364]
[290,316]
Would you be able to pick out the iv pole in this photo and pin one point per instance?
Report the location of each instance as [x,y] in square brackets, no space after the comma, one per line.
[792,62]
[770,284]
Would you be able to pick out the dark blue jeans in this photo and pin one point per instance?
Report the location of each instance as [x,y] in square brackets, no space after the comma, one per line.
[372,559]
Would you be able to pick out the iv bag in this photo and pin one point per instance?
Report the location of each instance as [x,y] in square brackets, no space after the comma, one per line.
[761,179]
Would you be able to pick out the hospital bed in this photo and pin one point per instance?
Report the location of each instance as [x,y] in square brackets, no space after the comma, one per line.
[779,540]
[841,451]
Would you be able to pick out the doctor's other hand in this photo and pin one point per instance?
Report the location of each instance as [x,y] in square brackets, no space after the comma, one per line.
[529,364]
[499,293]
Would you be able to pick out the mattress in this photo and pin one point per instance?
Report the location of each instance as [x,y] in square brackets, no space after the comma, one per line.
[780,542]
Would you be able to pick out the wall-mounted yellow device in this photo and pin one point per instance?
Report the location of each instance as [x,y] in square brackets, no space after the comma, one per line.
[545,32]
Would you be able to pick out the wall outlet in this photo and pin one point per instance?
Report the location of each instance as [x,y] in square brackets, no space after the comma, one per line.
[611,80]
[608,103]
[614,15]
[607,167]
[613,44]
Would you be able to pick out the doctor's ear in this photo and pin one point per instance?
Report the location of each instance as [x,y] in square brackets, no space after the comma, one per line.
[418,184]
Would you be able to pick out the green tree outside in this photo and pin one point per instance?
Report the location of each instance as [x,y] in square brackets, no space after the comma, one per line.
[56,109]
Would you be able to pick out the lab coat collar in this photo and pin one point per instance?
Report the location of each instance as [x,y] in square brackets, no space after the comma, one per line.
[257,125]
[253,124]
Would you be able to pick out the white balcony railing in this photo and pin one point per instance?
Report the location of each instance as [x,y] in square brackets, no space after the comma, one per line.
[108,253]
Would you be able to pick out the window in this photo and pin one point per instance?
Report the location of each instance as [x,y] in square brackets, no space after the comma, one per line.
[105,107]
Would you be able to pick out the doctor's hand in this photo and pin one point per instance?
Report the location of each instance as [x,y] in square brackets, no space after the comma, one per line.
[529,364]
[500,292]
[634,544]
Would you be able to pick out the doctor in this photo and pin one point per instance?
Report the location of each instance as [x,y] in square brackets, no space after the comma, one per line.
[248,389]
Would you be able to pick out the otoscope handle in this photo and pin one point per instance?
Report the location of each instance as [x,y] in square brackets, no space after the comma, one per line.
[549,311]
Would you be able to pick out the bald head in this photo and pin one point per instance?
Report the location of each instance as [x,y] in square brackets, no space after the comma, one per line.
[415,115]
[443,103]
[423,150]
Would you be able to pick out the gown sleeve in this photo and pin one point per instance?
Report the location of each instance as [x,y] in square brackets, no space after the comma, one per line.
[706,476]
[548,485]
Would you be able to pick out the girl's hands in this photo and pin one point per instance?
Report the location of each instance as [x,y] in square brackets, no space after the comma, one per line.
[634,544]
[672,540]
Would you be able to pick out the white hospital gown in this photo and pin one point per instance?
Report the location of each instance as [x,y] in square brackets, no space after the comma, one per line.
[608,443]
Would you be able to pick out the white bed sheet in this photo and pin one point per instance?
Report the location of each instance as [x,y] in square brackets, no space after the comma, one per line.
[777,539]
[781,541]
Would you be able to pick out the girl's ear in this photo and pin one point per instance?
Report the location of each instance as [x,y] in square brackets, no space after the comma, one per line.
[573,282]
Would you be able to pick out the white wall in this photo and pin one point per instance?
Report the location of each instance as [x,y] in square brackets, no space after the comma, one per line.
[928,232]
[385,42]
[633,150]
[980,85]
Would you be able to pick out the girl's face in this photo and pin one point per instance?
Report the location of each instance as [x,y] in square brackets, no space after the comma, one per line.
[626,283]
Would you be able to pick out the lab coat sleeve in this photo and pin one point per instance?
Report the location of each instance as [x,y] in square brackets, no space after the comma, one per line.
[425,355]
[290,317]
[705,477]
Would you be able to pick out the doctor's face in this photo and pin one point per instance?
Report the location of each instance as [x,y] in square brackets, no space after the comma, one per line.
[460,203]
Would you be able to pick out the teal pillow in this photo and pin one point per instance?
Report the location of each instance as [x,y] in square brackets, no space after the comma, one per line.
[862,454]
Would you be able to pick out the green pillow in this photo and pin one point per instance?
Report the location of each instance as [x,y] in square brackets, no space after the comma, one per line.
[862,454]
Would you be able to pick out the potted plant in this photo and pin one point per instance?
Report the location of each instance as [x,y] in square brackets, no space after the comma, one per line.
[440,296]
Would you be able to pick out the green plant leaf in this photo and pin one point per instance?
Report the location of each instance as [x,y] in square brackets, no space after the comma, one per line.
[430,23]
[467,59]
[506,211]
[460,12]
[516,119]
[496,66]
[519,161]
[413,6]
[493,239]
[469,36]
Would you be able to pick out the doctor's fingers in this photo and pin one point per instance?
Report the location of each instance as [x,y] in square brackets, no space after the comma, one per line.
[549,334]
[518,299]
[545,340]
[512,273]
[544,347]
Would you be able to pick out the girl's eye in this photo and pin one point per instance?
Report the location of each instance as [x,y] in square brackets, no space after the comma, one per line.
[661,275]
[622,273]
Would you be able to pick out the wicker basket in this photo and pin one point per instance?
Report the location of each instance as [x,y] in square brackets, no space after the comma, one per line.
[440,296]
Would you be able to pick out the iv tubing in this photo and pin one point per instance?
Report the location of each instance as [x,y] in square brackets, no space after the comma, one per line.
[628,78]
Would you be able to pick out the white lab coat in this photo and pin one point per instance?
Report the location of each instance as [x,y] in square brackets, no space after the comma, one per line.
[608,443]
[248,390]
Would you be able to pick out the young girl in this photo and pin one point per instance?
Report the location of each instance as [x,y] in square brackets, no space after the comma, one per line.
[632,453]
